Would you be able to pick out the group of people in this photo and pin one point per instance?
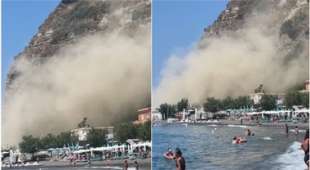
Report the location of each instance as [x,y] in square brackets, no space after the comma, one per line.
[180,161]
[126,165]
[240,140]
[177,156]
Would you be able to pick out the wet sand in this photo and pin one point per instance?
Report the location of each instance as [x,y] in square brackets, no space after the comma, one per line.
[291,125]
[144,164]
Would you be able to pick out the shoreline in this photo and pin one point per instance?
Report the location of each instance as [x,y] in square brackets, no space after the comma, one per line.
[291,125]
[143,164]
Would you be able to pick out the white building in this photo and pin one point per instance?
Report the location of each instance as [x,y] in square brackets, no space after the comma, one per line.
[156,116]
[82,133]
[256,97]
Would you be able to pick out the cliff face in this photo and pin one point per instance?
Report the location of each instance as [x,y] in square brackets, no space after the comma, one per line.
[251,42]
[73,19]
[81,63]
[291,17]
[288,19]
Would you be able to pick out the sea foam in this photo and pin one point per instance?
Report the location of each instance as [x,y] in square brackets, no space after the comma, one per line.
[292,158]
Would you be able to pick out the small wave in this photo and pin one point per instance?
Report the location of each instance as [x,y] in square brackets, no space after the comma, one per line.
[292,158]
[212,125]
[106,167]
[300,130]
[240,126]
[267,138]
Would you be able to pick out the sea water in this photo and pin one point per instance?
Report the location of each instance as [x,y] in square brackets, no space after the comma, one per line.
[209,147]
[74,168]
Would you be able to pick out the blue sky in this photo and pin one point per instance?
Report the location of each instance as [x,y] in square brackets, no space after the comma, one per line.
[20,21]
[177,25]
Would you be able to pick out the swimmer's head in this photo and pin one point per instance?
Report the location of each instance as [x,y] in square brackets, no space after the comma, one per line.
[178,152]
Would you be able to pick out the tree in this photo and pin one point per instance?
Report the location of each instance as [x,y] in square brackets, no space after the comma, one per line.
[96,137]
[65,138]
[125,131]
[29,144]
[243,102]
[305,99]
[163,109]
[49,141]
[167,110]
[83,123]
[212,105]
[144,131]
[182,104]
[228,103]
[268,102]
[259,89]
[292,98]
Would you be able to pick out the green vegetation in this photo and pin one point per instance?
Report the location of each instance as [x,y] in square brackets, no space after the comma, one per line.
[128,130]
[296,98]
[167,110]
[83,123]
[125,131]
[268,102]
[30,144]
[144,131]
[214,105]
[182,104]
[96,137]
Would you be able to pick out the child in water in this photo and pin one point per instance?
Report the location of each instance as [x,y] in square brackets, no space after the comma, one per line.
[238,140]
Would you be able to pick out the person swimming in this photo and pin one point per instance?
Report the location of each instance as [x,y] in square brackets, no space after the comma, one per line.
[238,140]
[169,154]
[179,160]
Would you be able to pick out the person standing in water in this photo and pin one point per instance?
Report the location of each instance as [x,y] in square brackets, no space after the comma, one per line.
[286,129]
[296,130]
[179,160]
[248,132]
[136,165]
[305,147]
[125,165]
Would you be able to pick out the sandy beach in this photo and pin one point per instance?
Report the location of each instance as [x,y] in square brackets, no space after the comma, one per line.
[144,164]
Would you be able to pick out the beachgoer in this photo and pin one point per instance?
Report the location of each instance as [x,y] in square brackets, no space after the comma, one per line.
[170,153]
[286,129]
[248,132]
[125,165]
[238,140]
[305,147]
[179,160]
[136,165]
[88,159]
[296,130]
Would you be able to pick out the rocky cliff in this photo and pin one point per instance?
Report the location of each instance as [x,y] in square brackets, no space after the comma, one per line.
[81,63]
[289,19]
[251,42]
[73,19]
